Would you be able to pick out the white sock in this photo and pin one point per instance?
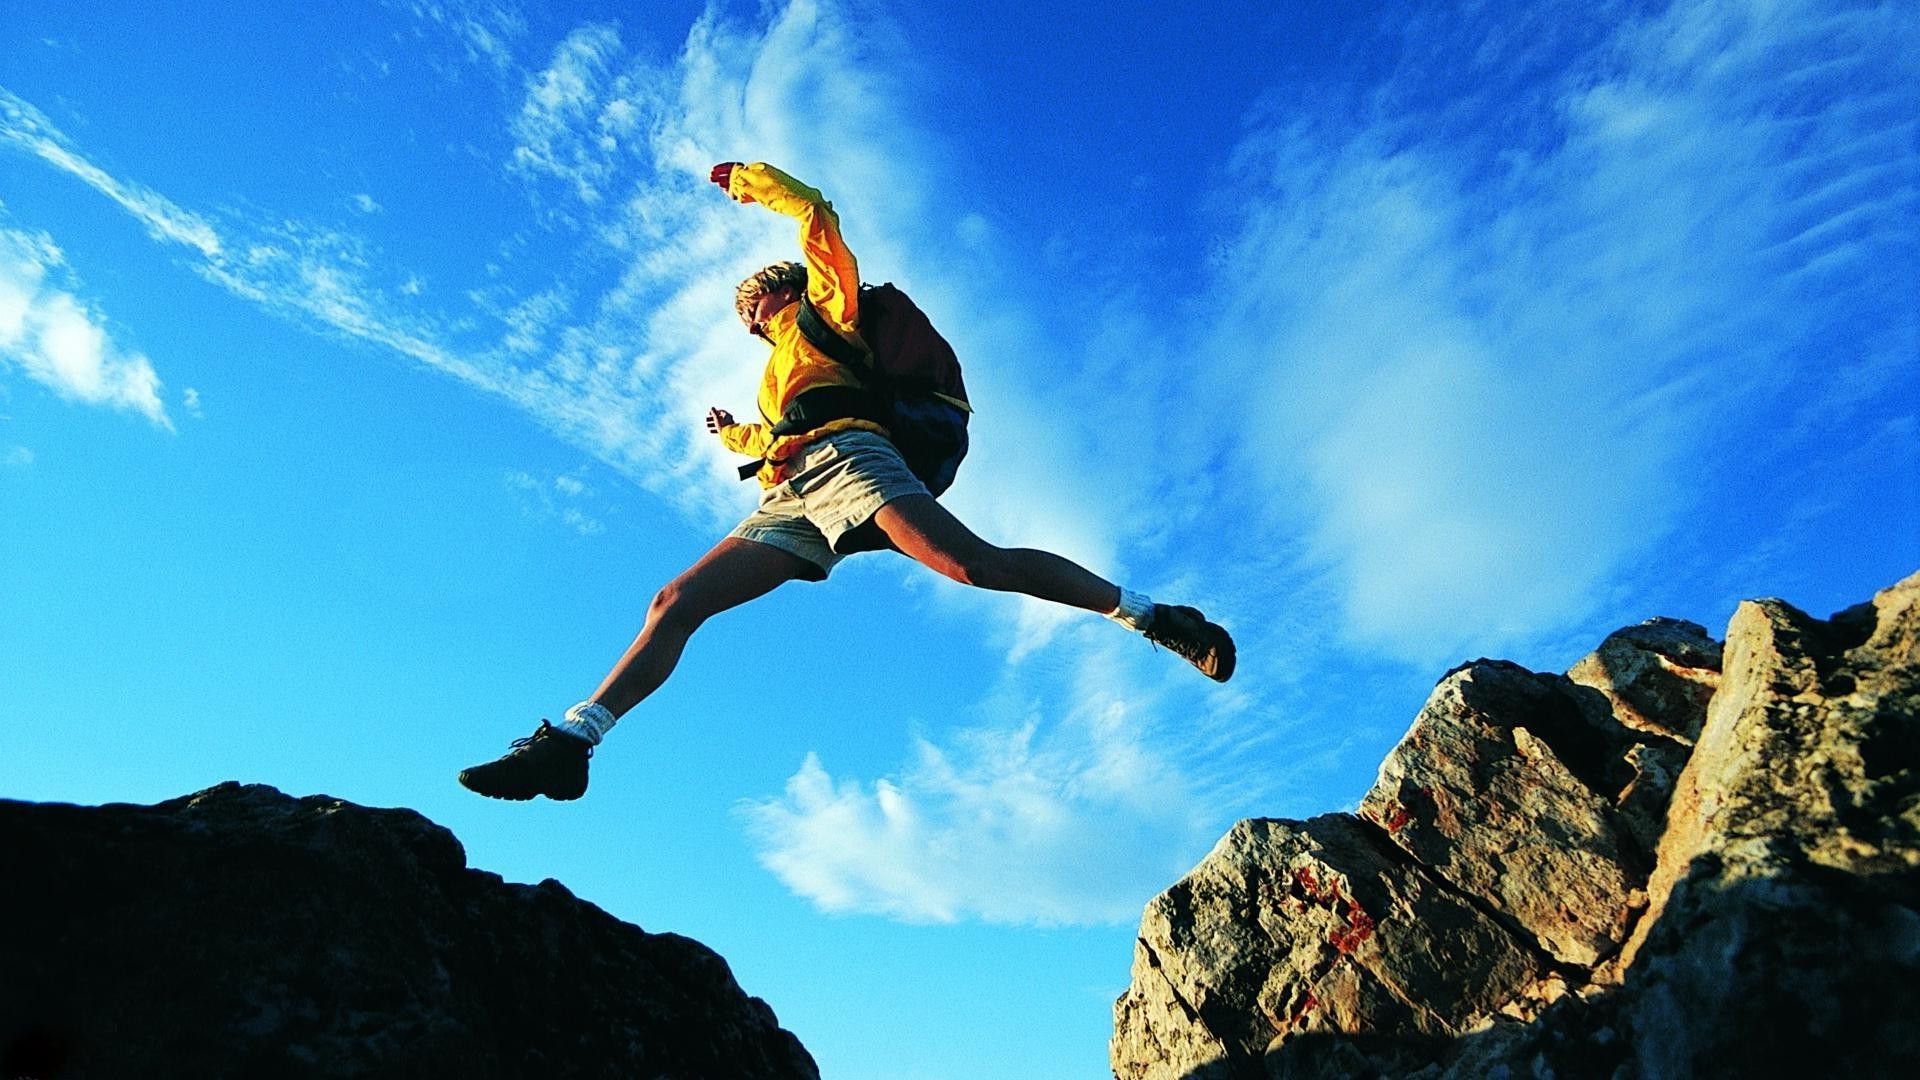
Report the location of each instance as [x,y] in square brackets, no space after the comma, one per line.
[588,720]
[1135,611]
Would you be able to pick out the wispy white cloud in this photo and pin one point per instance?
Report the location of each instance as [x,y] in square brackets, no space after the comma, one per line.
[325,278]
[301,271]
[1049,819]
[1486,370]
[59,340]
[565,498]
[485,30]
[16,457]
[28,129]
[579,114]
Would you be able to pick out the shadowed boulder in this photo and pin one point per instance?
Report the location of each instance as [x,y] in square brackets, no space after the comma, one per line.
[242,932]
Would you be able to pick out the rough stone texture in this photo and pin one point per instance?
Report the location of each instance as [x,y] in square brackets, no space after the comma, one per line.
[1658,676]
[1301,927]
[1506,786]
[242,932]
[1785,919]
[1667,870]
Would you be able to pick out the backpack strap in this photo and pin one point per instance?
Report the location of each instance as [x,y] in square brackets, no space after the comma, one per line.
[814,328]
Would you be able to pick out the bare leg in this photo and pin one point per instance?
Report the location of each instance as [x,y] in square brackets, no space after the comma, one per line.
[731,574]
[923,529]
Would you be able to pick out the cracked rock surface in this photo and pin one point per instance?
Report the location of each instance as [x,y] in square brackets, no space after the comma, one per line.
[1682,858]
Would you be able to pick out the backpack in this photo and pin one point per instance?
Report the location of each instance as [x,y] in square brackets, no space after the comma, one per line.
[911,384]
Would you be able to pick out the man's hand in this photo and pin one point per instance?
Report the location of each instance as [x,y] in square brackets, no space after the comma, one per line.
[717,419]
[722,174]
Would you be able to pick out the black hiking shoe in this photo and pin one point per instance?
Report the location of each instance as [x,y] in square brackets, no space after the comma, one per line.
[1199,642]
[548,762]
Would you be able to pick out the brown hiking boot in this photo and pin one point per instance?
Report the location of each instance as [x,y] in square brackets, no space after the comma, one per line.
[548,762]
[1199,642]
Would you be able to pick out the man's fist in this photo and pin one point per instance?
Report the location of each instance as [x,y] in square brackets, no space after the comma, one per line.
[717,419]
[722,174]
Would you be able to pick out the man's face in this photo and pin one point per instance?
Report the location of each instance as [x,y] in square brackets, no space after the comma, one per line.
[769,304]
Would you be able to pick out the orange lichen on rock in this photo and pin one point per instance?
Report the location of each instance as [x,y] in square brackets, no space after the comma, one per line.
[1359,928]
[1396,817]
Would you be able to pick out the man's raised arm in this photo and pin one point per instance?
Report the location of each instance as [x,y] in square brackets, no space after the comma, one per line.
[833,277]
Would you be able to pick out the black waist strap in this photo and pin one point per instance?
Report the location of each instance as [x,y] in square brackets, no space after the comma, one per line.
[823,404]
[819,406]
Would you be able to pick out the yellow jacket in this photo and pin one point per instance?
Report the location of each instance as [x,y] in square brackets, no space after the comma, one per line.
[833,285]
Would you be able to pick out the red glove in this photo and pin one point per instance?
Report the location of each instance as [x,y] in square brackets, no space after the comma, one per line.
[722,174]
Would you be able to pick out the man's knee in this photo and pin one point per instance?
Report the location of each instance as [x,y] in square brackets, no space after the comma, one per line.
[676,605]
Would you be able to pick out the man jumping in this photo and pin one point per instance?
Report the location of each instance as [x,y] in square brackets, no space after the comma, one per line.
[827,492]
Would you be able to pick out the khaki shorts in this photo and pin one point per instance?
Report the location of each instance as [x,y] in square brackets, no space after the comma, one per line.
[843,480]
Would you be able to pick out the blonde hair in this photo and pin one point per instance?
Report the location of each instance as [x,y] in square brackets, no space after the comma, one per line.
[773,278]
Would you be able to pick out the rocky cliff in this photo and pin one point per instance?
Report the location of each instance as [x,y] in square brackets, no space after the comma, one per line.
[241,932]
[1682,858]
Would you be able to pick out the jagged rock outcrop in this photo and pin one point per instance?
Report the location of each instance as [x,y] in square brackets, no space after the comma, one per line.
[240,932]
[1678,860]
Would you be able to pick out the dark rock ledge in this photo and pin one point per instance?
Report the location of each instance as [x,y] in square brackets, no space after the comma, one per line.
[240,932]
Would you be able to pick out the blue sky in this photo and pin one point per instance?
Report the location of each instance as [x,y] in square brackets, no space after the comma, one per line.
[353,360]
